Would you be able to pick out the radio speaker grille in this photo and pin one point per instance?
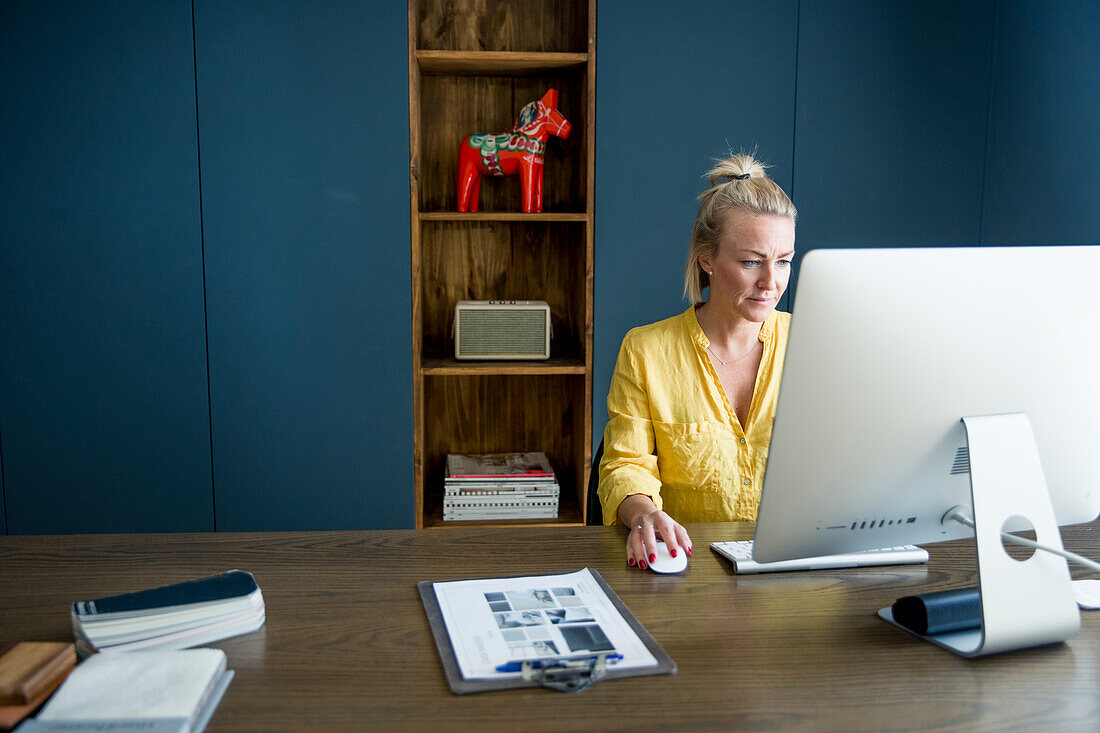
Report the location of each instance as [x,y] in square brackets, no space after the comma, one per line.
[503,333]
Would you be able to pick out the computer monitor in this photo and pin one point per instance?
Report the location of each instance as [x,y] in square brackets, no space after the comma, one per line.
[889,350]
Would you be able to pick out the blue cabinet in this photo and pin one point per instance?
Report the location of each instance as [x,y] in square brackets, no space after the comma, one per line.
[104,410]
[304,128]
[891,122]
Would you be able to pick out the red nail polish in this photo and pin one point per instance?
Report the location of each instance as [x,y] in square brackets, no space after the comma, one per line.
[630,562]
[672,552]
[689,552]
[652,557]
[641,564]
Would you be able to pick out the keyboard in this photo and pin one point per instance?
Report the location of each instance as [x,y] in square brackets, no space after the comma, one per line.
[740,554]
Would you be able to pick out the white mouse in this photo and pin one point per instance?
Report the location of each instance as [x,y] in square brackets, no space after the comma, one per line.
[666,563]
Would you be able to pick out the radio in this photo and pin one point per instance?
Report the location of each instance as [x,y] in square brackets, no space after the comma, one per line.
[502,329]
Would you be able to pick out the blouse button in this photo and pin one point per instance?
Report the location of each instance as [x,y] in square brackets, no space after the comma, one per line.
[747,482]
[742,441]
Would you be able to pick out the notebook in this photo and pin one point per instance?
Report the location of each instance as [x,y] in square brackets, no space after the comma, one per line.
[158,691]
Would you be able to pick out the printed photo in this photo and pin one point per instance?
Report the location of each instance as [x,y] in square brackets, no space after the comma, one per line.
[533,650]
[563,592]
[574,615]
[512,619]
[531,599]
[492,597]
[511,635]
[586,638]
[570,601]
[500,606]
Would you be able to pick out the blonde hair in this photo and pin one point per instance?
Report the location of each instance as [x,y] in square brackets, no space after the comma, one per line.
[738,182]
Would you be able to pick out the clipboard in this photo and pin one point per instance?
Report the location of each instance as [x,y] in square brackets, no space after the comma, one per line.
[461,686]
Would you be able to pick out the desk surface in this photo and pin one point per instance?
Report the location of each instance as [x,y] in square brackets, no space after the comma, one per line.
[347,645]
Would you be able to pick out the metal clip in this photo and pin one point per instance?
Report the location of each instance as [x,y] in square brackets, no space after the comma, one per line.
[568,675]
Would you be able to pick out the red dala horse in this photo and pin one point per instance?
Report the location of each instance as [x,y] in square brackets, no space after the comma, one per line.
[522,150]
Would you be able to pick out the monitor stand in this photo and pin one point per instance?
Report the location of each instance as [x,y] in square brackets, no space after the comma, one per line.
[1026,603]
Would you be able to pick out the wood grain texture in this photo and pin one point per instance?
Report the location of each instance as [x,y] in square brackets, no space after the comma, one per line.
[453,367]
[347,646]
[417,295]
[584,456]
[455,107]
[503,261]
[500,63]
[473,64]
[504,414]
[501,216]
[552,26]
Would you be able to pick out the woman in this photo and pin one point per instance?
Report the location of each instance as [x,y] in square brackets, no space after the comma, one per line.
[693,397]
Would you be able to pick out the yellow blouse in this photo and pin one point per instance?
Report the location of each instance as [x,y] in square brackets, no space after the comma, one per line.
[672,433]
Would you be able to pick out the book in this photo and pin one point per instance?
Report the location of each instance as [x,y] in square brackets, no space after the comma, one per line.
[233,584]
[457,515]
[499,486]
[503,491]
[158,691]
[488,488]
[501,512]
[174,616]
[498,465]
[28,667]
[500,507]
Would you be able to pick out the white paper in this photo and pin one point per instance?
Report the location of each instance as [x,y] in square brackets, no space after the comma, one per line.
[1087,593]
[137,685]
[495,621]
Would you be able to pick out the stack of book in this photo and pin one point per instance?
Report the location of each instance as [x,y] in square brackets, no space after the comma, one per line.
[170,617]
[500,486]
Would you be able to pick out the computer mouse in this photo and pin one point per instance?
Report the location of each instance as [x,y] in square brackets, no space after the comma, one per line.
[666,563]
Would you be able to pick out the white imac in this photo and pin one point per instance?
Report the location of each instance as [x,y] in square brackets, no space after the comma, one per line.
[889,351]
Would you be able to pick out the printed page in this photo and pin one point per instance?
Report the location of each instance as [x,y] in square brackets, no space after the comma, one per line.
[495,621]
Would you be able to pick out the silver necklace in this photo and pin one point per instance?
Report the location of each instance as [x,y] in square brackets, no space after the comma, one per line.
[738,358]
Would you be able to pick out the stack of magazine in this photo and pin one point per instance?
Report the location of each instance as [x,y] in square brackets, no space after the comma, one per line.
[170,617]
[499,486]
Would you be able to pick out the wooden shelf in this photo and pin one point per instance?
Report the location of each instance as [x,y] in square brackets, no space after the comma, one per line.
[499,63]
[457,87]
[502,216]
[454,367]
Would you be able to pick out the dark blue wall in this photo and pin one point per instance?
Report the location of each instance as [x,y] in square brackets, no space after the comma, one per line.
[905,123]
[676,88]
[891,122]
[242,177]
[1042,177]
[103,394]
[204,268]
[303,117]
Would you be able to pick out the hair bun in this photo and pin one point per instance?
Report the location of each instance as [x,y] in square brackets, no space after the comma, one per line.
[736,168]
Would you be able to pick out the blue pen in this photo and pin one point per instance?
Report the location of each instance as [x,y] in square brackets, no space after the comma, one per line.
[554,662]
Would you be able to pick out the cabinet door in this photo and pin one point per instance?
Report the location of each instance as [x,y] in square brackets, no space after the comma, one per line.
[890,96]
[1043,161]
[304,127]
[103,395]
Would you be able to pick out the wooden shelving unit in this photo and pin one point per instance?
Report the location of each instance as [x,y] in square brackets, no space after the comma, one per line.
[472,65]
[502,63]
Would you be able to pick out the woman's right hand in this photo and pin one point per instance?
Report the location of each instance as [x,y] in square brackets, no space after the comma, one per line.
[647,525]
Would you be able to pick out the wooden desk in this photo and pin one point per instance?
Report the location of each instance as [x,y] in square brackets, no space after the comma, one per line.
[347,646]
